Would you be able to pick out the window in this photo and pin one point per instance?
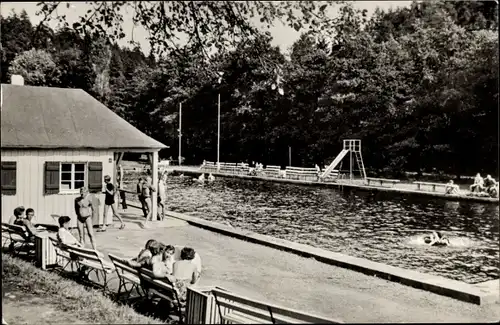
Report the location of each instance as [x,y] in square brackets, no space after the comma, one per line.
[72,176]
[9,175]
[69,177]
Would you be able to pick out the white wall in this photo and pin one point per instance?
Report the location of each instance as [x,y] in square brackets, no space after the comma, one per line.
[30,178]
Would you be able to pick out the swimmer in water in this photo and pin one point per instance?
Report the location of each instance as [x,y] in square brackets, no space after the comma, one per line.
[436,239]
[211,177]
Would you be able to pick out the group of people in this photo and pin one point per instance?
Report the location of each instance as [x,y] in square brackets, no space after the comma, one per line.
[145,191]
[26,219]
[182,271]
[486,185]
[201,179]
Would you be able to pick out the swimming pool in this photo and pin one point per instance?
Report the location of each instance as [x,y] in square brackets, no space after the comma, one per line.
[383,227]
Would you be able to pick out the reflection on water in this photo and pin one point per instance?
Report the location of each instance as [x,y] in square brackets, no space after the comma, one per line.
[382,227]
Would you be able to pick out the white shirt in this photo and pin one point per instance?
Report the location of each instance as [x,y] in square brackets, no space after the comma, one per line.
[66,237]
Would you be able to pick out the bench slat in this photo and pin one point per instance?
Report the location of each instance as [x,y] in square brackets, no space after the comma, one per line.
[295,314]
[262,314]
[240,318]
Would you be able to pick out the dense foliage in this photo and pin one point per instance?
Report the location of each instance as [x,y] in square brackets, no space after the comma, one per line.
[418,85]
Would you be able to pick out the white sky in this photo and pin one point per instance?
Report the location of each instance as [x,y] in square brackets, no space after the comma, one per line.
[283,36]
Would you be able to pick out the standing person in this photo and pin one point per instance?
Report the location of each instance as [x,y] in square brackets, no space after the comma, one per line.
[86,206]
[140,184]
[147,189]
[122,194]
[162,194]
[109,202]
[478,184]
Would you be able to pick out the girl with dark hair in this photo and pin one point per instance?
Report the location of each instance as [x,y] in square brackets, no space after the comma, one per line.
[145,255]
[185,272]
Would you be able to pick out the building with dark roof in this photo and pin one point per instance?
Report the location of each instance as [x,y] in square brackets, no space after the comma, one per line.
[56,140]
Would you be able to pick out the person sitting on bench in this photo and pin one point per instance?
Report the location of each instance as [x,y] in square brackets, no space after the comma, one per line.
[436,239]
[489,184]
[451,188]
[64,236]
[163,267]
[185,272]
[144,256]
[19,219]
[478,185]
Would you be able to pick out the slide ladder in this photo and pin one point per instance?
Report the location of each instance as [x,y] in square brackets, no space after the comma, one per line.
[361,165]
[334,164]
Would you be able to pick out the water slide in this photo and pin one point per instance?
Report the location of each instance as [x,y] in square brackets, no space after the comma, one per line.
[334,164]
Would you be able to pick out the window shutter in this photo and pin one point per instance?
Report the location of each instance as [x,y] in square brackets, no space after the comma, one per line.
[9,177]
[95,177]
[51,181]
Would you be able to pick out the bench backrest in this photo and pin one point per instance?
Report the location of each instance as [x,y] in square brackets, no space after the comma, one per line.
[301,169]
[122,266]
[162,285]
[261,310]
[15,230]
[85,253]
[272,168]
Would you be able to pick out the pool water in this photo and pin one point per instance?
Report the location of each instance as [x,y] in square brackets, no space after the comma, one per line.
[382,227]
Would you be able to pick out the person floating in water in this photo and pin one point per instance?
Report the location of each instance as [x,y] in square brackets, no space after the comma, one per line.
[211,177]
[200,179]
[436,239]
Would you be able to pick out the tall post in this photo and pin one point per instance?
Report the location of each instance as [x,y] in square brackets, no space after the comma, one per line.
[289,156]
[218,132]
[154,195]
[350,161]
[180,132]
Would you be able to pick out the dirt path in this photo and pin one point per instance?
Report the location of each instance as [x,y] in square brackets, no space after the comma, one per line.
[283,278]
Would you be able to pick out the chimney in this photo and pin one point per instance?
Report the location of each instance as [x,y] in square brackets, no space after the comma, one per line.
[17,80]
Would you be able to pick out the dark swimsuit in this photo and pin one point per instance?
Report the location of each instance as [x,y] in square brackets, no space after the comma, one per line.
[83,205]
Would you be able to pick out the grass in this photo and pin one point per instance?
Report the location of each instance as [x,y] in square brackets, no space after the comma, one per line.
[81,304]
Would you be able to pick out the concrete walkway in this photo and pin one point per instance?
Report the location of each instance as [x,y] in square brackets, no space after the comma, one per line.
[283,278]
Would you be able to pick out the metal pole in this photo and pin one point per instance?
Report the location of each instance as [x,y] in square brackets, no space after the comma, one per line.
[218,132]
[180,132]
[289,156]
[350,161]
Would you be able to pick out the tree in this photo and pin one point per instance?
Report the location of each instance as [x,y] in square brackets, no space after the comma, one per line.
[207,25]
[37,68]
[16,33]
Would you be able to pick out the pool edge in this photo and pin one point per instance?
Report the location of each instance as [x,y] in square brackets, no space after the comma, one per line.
[479,294]
[346,185]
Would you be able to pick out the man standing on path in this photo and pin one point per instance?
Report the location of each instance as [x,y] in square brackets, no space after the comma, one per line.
[109,202]
[86,209]
[147,189]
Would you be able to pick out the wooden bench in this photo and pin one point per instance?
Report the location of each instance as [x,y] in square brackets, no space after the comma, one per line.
[63,257]
[126,275]
[231,168]
[272,171]
[209,167]
[162,288]
[301,173]
[432,185]
[88,261]
[243,168]
[18,239]
[237,309]
[381,181]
